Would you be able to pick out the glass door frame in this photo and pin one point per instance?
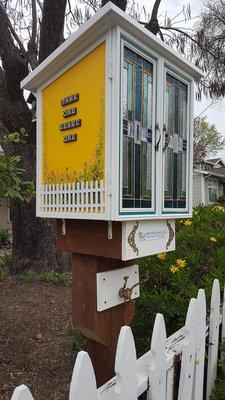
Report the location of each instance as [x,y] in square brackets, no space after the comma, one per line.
[187,81]
[127,42]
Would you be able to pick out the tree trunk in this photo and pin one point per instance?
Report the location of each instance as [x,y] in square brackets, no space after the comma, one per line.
[119,3]
[34,241]
[34,246]
[33,238]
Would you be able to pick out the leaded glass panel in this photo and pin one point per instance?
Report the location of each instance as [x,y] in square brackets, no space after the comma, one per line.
[137,98]
[175,148]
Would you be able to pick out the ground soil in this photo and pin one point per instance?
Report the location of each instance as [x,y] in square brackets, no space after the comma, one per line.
[36,348]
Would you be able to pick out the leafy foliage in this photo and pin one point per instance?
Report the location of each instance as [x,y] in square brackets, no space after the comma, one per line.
[4,237]
[5,262]
[12,183]
[174,277]
[77,339]
[48,276]
[207,140]
[60,278]
[27,276]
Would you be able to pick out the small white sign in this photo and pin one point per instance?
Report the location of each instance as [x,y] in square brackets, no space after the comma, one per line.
[110,282]
[145,238]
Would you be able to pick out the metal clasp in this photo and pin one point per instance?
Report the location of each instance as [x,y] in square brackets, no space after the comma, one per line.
[166,143]
[159,140]
[126,292]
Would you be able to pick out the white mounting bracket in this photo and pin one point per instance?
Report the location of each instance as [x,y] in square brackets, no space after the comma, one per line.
[63,227]
[110,282]
[110,234]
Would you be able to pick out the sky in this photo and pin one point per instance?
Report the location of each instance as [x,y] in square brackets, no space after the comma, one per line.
[215,113]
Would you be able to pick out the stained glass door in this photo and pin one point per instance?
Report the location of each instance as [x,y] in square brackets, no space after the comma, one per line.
[175,143]
[137,131]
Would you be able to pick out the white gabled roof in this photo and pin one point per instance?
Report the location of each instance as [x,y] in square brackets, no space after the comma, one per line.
[106,18]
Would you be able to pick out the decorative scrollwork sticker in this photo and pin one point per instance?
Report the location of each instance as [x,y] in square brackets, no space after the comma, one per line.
[131,238]
[171,234]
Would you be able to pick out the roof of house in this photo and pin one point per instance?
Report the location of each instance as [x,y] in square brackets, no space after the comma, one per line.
[215,161]
[219,172]
[96,27]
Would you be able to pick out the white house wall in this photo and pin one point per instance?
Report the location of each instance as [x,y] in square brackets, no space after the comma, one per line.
[197,189]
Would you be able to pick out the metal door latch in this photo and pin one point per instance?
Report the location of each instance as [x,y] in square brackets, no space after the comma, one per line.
[126,292]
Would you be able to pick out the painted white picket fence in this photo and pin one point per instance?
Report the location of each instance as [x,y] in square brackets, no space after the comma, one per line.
[70,198]
[153,373]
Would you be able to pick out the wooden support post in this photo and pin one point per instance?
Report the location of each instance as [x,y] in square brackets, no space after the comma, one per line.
[101,328]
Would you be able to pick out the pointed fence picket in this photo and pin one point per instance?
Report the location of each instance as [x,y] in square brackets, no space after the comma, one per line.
[125,366]
[158,363]
[188,353]
[213,337]
[153,373]
[200,350]
[223,316]
[22,393]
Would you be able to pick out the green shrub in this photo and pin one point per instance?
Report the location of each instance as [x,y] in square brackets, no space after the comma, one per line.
[27,276]
[6,261]
[221,200]
[2,275]
[77,339]
[176,276]
[57,277]
[48,276]
[4,237]
[61,278]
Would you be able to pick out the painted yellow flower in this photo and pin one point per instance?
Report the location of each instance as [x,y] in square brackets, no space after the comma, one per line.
[219,208]
[188,222]
[161,256]
[174,269]
[181,263]
[213,239]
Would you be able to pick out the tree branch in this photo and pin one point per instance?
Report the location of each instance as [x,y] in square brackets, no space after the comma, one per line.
[7,22]
[32,44]
[40,5]
[119,3]
[153,24]
[14,60]
[193,40]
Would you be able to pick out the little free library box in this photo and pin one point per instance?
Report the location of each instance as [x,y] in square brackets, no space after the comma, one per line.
[114,163]
[114,138]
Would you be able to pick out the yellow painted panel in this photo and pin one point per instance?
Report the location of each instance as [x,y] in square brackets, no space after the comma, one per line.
[82,159]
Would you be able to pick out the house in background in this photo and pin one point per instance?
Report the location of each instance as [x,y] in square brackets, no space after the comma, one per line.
[208,181]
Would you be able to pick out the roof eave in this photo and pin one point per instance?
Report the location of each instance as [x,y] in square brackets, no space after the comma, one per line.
[93,29]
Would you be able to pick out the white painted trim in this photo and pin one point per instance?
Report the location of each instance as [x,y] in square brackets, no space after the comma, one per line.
[108,133]
[39,145]
[107,17]
[64,215]
[159,154]
[190,146]
[115,132]
[174,71]
[146,56]
[202,189]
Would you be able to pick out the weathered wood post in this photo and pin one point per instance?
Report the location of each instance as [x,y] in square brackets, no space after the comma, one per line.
[114,151]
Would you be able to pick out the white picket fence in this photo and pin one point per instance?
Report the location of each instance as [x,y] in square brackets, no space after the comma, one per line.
[153,373]
[70,198]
